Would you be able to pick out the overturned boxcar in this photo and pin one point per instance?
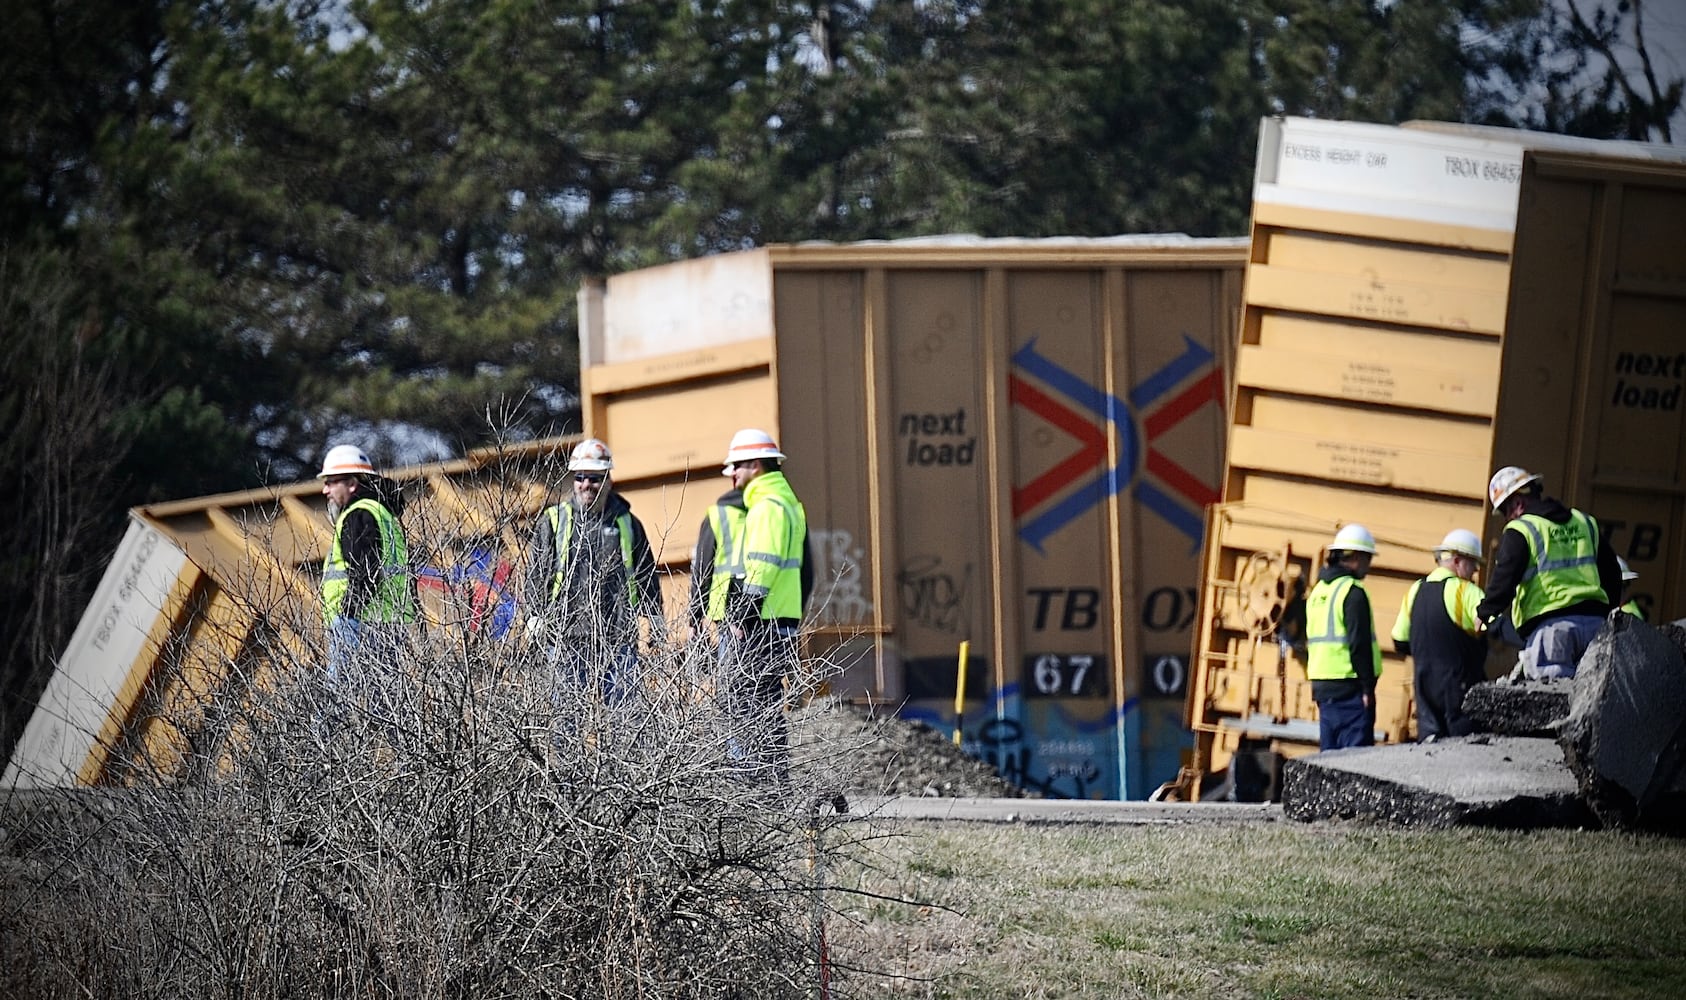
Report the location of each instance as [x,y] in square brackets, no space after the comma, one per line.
[1423,305]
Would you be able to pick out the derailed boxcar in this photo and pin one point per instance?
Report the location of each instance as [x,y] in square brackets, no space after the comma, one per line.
[1003,443]
[1423,305]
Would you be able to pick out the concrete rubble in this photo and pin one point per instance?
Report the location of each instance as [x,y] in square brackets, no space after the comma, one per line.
[1626,727]
[1519,708]
[1603,749]
[1503,781]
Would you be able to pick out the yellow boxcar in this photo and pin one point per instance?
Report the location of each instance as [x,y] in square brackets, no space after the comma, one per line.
[1423,305]
[1008,443]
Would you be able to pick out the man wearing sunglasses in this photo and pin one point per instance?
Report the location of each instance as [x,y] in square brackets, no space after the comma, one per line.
[590,576]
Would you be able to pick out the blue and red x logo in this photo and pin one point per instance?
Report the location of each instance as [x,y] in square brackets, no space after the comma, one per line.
[1066,401]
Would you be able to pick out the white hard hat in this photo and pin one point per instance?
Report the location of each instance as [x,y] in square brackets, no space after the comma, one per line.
[1462,541]
[345,460]
[748,444]
[1627,573]
[591,455]
[1353,538]
[1507,481]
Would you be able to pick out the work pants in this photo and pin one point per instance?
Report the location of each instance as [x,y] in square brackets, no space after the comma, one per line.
[1554,649]
[1440,690]
[1346,722]
[753,668]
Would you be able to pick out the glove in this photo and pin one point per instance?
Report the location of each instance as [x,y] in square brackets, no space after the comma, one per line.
[535,632]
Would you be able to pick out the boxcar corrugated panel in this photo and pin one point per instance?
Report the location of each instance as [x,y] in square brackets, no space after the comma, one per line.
[935,441]
[1595,401]
[1373,384]
[1069,665]
[213,598]
[824,388]
[1001,442]
[826,373]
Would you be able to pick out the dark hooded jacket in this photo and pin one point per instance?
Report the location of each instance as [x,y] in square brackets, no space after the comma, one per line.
[593,596]
[1511,564]
[360,541]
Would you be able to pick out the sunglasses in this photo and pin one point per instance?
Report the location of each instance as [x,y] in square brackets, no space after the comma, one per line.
[589,477]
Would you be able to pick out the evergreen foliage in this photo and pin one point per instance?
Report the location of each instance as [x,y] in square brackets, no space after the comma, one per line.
[284,225]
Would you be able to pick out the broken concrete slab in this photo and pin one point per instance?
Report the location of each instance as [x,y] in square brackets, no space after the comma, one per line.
[1625,734]
[1511,782]
[1518,708]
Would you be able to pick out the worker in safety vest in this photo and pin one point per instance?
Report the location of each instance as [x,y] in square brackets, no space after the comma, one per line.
[1343,658]
[1439,630]
[1629,605]
[1555,574]
[368,596]
[590,576]
[764,593]
[366,581]
[712,574]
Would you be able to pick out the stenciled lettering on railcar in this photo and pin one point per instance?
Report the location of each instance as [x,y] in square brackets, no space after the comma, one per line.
[1066,675]
[1359,462]
[1377,303]
[125,590]
[1477,169]
[1368,380]
[1648,381]
[938,438]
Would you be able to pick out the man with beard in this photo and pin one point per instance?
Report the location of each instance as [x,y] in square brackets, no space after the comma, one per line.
[367,590]
[590,576]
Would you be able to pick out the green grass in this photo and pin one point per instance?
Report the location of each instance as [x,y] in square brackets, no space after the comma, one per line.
[1272,910]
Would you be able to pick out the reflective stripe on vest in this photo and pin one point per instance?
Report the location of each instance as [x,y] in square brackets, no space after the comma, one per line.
[1327,658]
[772,566]
[563,530]
[391,601]
[1563,565]
[726,521]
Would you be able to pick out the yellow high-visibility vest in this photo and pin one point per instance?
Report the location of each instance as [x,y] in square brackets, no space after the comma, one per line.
[392,600]
[1326,632]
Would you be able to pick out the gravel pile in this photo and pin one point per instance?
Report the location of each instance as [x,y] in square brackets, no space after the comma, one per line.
[885,755]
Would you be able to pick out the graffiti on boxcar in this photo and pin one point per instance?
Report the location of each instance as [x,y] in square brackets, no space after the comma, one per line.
[839,590]
[1064,768]
[934,596]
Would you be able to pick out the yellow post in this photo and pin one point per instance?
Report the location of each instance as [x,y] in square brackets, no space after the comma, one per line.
[960,691]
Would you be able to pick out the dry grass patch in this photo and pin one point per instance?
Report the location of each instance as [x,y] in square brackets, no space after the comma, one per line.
[1270,911]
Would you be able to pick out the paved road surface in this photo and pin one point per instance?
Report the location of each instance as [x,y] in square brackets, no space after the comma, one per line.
[1064,810]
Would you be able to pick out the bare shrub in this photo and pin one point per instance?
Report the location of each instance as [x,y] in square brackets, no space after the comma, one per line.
[59,393]
[453,820]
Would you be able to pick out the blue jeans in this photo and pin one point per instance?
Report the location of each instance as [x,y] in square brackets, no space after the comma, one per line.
[584,676]
[1554,649]
[615,669]
[365,676]
[1346,722]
